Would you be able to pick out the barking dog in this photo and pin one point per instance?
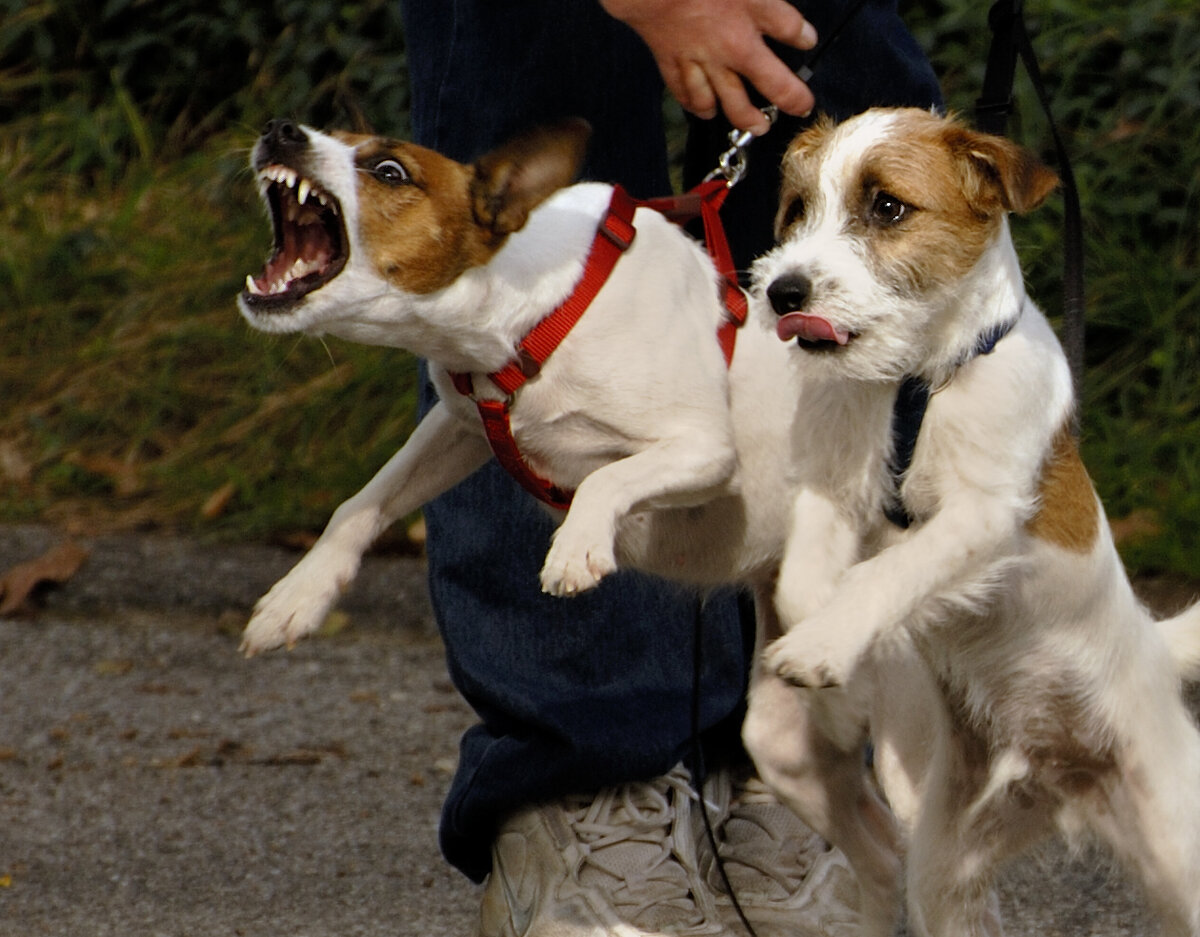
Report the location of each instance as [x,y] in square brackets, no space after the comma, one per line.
[969,608]
[678,465]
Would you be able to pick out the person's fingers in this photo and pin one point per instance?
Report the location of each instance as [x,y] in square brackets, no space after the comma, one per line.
[782,21]
[705,51]
[780,85]
[735,103]
[698,95]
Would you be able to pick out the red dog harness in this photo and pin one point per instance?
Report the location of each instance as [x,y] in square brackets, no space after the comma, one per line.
[613,236]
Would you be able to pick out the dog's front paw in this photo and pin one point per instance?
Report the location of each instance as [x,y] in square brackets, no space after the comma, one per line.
[825,676]
[813,658]
[295,607]
[576,564]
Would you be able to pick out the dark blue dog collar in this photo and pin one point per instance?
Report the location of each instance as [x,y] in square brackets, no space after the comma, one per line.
[908,413]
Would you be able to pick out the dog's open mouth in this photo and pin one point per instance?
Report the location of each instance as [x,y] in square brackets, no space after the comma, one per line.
[812,332]
[310,239]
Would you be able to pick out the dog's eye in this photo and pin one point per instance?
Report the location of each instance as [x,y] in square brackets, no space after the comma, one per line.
[390,171]
[792,212]
[887,209]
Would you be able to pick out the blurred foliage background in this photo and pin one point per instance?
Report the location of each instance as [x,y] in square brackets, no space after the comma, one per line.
[132,395]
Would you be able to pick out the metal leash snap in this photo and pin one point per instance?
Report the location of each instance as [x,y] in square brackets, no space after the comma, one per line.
[733,163]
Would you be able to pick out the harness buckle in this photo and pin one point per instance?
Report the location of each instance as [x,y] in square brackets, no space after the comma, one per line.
[620,232]
[528,365]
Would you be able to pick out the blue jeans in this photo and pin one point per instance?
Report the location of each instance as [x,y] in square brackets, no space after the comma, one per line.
[578,694]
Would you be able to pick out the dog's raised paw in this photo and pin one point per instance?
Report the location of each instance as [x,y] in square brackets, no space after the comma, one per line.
[568,579]
[575,564]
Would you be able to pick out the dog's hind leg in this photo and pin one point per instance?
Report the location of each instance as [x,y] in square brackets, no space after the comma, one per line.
[952,856]
[978,808]
[828,789]
[1148,812]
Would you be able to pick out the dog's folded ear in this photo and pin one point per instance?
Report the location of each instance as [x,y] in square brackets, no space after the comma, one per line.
[512,180]
[1000,175]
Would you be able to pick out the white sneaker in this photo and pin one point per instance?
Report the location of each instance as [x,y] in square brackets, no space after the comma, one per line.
[620,863]
[787,879]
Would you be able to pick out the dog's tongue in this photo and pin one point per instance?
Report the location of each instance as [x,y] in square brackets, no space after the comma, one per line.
[809,328]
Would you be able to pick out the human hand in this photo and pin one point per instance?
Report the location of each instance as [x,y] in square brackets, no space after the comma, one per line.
[704,48]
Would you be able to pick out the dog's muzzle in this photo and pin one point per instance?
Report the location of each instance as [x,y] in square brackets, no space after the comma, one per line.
[789,295]
[310,235]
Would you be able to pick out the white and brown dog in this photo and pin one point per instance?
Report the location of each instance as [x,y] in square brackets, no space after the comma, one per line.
[986,635]
[679,464]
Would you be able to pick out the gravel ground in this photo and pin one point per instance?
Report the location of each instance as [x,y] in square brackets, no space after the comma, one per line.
[152,782]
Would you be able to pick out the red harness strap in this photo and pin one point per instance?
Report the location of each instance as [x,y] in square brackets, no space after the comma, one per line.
[613,237]
[706,200]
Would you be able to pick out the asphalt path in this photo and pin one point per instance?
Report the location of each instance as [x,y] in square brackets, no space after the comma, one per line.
[152,782]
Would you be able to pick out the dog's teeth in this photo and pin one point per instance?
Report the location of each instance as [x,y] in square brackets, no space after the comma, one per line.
[302,191]
[251,286]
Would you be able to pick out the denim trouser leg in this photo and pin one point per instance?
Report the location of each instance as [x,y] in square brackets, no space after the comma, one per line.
[577,694]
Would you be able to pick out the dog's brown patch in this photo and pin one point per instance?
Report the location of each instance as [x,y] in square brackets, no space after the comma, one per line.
[948,225]
[424,227]
[1067,515]
[800,174]
[420,235]
[956,185]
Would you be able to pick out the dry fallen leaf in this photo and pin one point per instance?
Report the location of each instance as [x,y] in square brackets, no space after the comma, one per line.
[335,623]
[55,565]
[216,503]
[125,476]
[13,465]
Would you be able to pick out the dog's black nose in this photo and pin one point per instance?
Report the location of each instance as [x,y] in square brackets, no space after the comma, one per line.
[789,293]
[284,134]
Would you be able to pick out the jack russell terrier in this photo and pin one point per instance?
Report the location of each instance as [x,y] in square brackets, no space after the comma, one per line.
[679,463]
[894,261]
[949,583]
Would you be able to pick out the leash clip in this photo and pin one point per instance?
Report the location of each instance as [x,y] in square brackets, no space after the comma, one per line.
[734,162]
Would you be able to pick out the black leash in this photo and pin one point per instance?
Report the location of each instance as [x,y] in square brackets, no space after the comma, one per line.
[700,770]
[1010,41]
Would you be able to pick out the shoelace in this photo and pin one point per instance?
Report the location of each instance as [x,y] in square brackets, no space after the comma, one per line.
[627,835]
[780,860]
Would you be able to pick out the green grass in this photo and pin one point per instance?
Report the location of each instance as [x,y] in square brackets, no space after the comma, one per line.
[132,391]
[132,388]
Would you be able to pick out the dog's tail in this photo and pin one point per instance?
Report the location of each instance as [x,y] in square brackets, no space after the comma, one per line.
[1183,638]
